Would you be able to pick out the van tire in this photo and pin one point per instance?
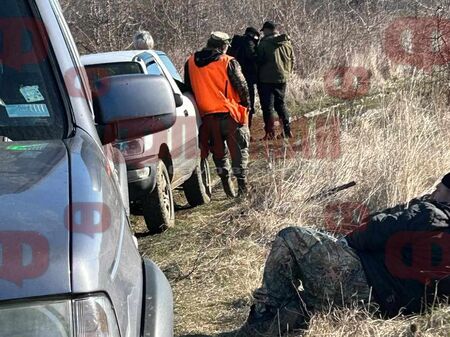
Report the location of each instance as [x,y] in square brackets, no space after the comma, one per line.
[158,205]
[198,188]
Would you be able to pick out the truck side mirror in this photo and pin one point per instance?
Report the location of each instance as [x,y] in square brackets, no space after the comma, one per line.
[178,100]
[133,106]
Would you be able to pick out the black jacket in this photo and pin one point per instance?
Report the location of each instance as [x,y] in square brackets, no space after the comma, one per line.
[243,48]
[405,252]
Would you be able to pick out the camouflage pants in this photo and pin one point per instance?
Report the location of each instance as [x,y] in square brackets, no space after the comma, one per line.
[313,268]
[224,137]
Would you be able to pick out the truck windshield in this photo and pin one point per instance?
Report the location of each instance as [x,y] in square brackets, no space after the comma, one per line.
[30,103]
[96,72]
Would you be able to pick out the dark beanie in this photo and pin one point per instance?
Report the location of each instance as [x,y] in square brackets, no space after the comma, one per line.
[446,180]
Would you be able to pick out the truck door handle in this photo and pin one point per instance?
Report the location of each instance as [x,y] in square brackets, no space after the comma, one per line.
[186,113]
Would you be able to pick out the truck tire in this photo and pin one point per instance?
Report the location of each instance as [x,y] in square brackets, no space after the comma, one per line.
[158,205]
[198,187]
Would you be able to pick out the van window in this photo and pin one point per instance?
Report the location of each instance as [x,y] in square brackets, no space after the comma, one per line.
[31,107]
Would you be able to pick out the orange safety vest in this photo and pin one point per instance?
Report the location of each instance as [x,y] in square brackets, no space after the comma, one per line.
[213,90]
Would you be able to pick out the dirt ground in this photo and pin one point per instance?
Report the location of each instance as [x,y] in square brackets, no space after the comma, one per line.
[212,268]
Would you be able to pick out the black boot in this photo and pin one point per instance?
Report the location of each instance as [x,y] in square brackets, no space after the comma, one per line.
[228,187]
[269,321]
[242,187]
[287,131]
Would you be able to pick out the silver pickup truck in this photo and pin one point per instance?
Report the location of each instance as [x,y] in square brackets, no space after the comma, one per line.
[69,264]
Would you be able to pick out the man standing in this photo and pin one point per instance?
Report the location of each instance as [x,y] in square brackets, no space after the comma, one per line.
[221,94]
[398,261]
[276,63]
[243,48]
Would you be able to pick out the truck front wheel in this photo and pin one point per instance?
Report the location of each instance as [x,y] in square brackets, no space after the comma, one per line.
[158,205]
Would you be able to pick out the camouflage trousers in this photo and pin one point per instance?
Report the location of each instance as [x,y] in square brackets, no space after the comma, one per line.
[224,137]
[313,269]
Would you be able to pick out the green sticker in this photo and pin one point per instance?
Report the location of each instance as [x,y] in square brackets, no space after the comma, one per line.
[30,147]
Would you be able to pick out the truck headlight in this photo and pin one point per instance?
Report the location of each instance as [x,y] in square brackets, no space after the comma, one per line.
[86,317]
[94,317]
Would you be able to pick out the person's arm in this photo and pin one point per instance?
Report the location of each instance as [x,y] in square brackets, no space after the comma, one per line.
[250,51]
[381,227]
[238,82]
[187,79]
[292,57]
[260,57]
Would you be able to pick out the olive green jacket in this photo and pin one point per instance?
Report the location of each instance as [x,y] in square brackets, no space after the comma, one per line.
[275,59]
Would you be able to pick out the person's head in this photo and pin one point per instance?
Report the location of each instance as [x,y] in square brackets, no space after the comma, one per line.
[269,28]
[143,40]
[219,41]
[442,192]
[252,33]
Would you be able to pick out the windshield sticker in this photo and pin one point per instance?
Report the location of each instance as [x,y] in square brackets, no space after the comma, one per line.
[28,147]
[32,94]
[27,110]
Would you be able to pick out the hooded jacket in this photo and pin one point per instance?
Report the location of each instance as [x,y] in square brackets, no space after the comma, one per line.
[244,50]
[275,59]
[237,80]
[405,252]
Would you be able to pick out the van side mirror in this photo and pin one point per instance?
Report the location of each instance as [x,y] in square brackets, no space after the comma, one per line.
[133,106]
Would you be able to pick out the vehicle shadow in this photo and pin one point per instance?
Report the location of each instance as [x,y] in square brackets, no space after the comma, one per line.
[222,334]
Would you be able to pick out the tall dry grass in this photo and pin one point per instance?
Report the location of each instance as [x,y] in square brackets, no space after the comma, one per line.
[394,153]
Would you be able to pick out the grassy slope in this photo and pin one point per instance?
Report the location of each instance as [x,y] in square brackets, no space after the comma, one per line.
[215,254]
[203,260]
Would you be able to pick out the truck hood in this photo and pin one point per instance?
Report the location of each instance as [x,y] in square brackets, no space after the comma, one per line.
[34,236]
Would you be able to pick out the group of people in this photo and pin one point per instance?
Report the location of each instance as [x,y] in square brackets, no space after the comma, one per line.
[267,64]
[224,89]
[397,262]
[224,78]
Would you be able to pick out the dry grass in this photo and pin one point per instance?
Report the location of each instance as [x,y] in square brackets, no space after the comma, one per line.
[215,255]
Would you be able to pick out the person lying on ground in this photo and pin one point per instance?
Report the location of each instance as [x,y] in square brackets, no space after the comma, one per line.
[397,262]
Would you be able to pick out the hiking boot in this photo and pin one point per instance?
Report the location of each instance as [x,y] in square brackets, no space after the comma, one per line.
[242,187]
[267,321]
[268,136]
[228,187]
[287,133]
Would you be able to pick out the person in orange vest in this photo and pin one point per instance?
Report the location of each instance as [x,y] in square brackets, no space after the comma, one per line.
[221,93]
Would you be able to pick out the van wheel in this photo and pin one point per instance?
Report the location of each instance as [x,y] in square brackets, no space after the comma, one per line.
[158,206]
[198,187]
